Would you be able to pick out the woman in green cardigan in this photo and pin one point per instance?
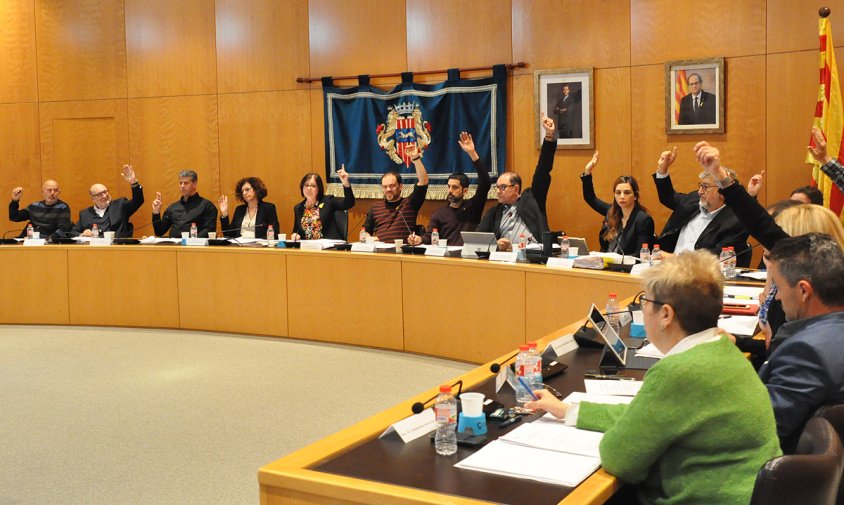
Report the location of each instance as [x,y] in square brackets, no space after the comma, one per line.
[702,425]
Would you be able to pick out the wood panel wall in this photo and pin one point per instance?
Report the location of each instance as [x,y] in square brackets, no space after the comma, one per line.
[88,85]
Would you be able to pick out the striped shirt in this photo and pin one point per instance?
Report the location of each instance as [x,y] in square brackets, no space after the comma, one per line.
[835,170]
[45,219]
[395,220]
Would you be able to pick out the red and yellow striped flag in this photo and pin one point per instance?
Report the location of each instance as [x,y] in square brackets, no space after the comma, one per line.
[829,117]
[681,89]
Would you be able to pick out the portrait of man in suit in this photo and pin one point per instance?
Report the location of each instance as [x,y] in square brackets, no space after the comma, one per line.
[698,107]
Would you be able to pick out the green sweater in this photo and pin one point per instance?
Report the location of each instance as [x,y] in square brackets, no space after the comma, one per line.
[699,430]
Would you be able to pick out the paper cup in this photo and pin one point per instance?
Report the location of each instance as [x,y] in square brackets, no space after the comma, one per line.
[282,237]
[185,234]
[212,235]
[399,242]
[443,242]
[473,404]
[109,235]
[572,251]
[36,234]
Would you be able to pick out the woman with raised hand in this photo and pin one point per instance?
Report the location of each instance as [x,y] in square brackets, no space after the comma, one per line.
[254,216]
[313,217]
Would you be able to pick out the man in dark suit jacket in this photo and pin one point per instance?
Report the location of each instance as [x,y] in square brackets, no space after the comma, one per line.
[108,214]
[698,107]
[806,371]
[700,219]
[523,211]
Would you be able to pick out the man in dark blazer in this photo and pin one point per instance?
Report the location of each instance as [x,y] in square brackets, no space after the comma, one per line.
[700,219]
[806,370]
[698,107]
[523,211]
[108,214]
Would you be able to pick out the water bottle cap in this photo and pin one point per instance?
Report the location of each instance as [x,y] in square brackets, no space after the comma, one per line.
[193,224]
[445,388]
[612,295]
[532,345]
[524,347]
[725,248]
[435,230]
[645,245]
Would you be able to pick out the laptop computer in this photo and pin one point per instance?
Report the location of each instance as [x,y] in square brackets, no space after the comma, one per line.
[474,241]
[619,354]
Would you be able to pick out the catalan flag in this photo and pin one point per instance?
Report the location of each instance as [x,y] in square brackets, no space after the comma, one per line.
[829,117]
[681,89]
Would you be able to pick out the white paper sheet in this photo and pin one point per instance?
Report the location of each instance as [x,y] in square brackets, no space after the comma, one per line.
[612,387]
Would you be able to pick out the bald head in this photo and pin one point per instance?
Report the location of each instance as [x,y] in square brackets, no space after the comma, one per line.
[100,196]
[50,191]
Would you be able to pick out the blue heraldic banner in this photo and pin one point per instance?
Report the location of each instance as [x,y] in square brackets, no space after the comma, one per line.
[368,129]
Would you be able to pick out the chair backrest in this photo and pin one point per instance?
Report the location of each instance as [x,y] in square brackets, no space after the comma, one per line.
[811,475]
[341,218]
[835,415]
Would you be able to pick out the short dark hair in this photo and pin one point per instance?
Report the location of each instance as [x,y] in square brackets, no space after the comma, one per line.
[461,178]
[815,195]
[257,185]
[188,173]
[516,179]
[394,174]
[695,74]
[815,258]
[319,185]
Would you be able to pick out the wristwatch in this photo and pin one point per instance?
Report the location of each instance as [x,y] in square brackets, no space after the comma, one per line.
[723,183]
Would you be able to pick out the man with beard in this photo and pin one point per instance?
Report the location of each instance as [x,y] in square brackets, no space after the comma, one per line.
[394,217]
[108,214]
[460,214]
[700,219]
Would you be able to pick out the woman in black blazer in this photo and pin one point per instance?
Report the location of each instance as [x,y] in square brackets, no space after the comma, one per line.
[254,217]
[627,224]
[313,217]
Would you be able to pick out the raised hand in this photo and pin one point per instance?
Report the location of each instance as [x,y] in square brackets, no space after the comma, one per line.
[666,158]
[156,204]
[818,151]
[17,193]
[129,174]
[224,205]
[592,163]
[709,158]
[549,127]
[412,150]
[754,185]
[343,175]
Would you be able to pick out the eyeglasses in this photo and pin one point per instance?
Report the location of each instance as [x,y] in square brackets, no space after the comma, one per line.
[502,187]
[641,297]
[100,194]
[697,83]
[704,186]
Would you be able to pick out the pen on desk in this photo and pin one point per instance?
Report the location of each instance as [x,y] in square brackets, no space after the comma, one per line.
[608,377]
[525,385]
[509,422]
[739,297]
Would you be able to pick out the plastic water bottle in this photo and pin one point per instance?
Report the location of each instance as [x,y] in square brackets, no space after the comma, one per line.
[521,255]
[362,237]
[29,230]
[524,371]
[613,315]
[270,236]
[564,247]
[193,232]
[536,379]
[645,254]
[445,410]
[724,261]
[435,238]
[656,255]
[731,263]
[95,231]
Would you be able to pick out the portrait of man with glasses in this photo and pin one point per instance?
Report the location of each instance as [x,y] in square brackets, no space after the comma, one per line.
[697,107]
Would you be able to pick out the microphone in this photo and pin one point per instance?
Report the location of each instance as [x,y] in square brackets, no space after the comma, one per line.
[418,407]
[742,252]
[253,228]
[496,367]
[406,224]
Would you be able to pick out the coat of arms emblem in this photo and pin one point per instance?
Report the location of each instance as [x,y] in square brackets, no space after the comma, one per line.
[404,128]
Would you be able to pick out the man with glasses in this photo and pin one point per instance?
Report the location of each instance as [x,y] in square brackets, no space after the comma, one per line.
[460,214]
[700,219]
[49,216]
[523,212]
[394,217]
[108,214]
[698,107]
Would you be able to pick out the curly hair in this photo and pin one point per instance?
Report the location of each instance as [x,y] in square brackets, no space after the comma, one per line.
[257,185]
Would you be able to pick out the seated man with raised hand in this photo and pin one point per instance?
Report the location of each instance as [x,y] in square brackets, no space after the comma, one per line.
[48,217]
[460,214]
[806,371]
[523,212]
[700,220]
[190,208]
[394,217]
[108,214]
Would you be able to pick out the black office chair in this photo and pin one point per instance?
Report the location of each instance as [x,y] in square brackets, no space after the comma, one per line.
[341,218]
[835,415]
[811,475]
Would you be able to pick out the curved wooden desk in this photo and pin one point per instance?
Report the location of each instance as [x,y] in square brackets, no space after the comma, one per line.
[460,309]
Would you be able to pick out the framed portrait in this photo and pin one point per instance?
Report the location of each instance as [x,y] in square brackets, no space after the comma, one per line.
[566,96]
[694,96]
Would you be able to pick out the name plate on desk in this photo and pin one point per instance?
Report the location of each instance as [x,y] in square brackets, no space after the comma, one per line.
[361,247]
[195,241]
[34,241]
[413,427]
[100,241]
[436,251]
[562,345]
[563,263]
[503,256]
[311,245]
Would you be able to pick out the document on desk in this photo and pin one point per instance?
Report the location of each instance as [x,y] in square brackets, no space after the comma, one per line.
[520,461]
[612,387]
[739,325]
[577,397]
[553,435]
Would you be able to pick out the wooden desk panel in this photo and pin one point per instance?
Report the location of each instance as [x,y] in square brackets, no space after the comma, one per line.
[343,297]
[35,280]
[234,290]
[462,310]
[112,286]
[555,298]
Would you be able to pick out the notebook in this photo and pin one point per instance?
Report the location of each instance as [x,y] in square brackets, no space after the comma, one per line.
[474,241]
